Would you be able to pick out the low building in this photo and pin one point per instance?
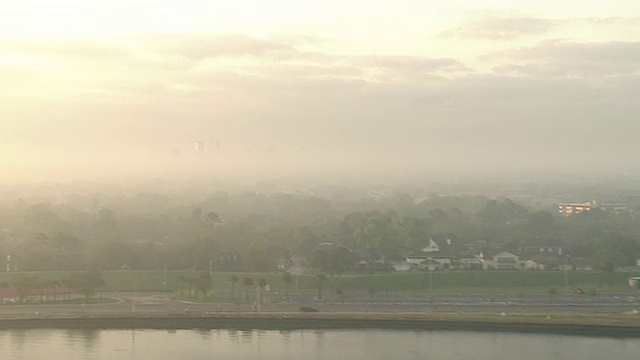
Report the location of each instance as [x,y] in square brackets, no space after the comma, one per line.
[533,265]
[575,208]
[471,262]
[502,261]
[402,265]
[431,263]
[541,246]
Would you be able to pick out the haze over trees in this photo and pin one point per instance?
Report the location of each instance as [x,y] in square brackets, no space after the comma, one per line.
[265,231]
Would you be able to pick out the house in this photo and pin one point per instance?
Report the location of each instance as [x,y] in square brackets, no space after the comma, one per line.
[444,245]
[416,259]
[533,265]
[401,265]
[431,263]
[580,264]
[501,261]
[298,265]
[442,249]
[442,262]
[471,262]
[541,246]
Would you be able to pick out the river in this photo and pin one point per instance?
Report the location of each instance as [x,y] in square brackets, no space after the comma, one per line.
[370,344]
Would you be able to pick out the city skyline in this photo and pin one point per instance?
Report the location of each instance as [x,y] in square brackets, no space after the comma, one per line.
[462,87]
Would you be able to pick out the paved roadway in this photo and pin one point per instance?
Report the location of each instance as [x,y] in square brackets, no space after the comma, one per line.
[464,302]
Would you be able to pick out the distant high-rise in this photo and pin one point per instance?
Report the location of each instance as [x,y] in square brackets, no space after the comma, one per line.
[199,148]
[575,208]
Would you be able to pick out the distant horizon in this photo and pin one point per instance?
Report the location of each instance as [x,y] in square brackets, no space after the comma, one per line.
[106,89]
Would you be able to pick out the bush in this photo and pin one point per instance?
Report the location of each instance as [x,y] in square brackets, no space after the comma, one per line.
[551,291]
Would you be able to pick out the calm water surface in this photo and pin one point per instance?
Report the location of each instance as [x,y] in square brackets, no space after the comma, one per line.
[306,344]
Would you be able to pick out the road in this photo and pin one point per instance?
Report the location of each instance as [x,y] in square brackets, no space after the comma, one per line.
[464,302]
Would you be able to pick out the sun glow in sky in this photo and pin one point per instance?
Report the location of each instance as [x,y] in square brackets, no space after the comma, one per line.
[498,84]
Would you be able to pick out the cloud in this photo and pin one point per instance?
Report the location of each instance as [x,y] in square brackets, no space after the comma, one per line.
[14,75]
[562,58]
[407,67]
[617,20]
[499,27]
[544,106]
[202,46]
[90,49]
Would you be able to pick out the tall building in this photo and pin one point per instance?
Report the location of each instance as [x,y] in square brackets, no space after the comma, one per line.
[575,208]
[199,148]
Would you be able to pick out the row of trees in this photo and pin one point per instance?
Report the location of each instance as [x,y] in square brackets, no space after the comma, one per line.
[85,282]
[252,232]
[202,284]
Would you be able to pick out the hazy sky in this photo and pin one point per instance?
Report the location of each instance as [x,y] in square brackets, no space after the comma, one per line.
[452,85]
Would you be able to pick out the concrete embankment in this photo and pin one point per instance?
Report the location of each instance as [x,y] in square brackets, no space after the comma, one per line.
[622,325]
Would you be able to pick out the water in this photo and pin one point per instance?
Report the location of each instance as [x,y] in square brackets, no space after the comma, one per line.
[307,344]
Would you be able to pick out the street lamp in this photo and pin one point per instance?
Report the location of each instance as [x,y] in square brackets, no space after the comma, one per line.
[566,272]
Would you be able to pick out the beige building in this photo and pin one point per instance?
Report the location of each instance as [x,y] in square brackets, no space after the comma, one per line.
[575,208]
[502,261]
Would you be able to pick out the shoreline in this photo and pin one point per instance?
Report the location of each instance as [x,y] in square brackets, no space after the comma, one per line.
[602,325]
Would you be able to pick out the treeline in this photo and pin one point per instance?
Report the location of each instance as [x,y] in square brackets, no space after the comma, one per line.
[29,284]
[264,232]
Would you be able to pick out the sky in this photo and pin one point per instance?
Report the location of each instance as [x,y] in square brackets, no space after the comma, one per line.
[126,88]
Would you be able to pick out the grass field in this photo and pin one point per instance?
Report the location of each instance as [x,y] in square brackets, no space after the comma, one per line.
[127,280]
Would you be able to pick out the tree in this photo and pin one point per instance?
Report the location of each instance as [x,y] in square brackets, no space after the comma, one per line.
[321,278]
[320,260]
[106,223]
[333,259]
[287,278]
[190,282]
[502,212]
[112,254]
[86,282]
[414,232]
[196,214]
[341,259]
[615,251]
[212,218]
[233,279]
[203,283]
[23,283]
[541,223]
[47,286]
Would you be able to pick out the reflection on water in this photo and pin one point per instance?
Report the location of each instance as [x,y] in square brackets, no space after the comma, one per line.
[305,344]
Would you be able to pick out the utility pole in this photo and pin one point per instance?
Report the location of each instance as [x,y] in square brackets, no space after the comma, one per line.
[258,293]
[566,273]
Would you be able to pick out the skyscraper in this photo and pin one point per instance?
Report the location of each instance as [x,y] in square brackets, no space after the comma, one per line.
[199,148]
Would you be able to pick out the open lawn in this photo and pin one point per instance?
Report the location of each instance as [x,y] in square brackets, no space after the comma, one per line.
[169,281]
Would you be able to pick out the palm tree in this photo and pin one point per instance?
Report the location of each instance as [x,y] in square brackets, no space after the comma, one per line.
[321,278]
[261,285]
[189,282]
[233,279]
[203,283]
[248,283]
[23,283]
[287,278]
